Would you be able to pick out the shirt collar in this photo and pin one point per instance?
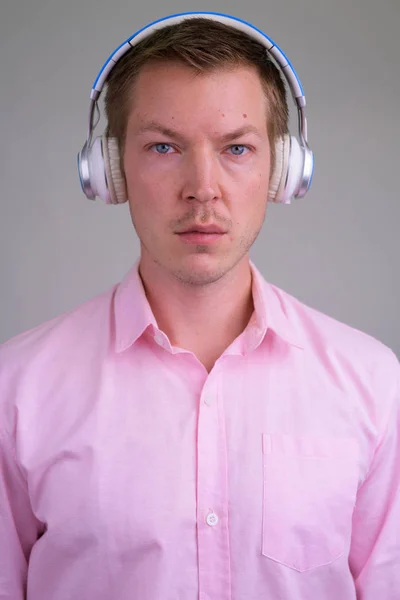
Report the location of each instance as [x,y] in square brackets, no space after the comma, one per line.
[133,314]
[271,310]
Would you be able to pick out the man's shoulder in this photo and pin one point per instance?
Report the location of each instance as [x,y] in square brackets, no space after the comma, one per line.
[330,336]
[80,326]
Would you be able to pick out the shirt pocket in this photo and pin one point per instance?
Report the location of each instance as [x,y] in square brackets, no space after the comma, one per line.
[309,492]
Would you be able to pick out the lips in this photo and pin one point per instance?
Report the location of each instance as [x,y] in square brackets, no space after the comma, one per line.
[203,229]
[200,237]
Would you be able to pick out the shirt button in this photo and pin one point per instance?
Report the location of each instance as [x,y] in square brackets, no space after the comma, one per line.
[208,400]
[212,519]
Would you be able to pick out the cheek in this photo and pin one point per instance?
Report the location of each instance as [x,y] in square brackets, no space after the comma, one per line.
[251,203]
[149,183]
[255,192]
[261,190]
[148,203]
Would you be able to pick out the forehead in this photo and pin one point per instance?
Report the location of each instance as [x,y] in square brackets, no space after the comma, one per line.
[175,90]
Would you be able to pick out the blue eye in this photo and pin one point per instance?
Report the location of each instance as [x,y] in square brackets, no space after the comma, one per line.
[161,148]
[238,149]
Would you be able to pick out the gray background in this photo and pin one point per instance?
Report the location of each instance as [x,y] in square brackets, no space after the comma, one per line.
[336,250]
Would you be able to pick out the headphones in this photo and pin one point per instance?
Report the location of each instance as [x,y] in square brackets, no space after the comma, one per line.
[99,163]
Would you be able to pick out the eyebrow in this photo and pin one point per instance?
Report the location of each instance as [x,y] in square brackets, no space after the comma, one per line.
[153,126]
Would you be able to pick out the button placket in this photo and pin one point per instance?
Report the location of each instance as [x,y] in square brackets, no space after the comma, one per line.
[212,500]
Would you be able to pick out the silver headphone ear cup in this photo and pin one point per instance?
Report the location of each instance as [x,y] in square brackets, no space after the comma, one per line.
[278,177]
[84,173]
[115,178]
[308,171]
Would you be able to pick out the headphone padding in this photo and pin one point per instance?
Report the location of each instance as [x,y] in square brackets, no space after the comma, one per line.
[278,178]
[115,178]
[295,172]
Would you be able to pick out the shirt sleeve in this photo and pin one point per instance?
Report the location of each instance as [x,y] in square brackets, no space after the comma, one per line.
[18,525]
[375,547]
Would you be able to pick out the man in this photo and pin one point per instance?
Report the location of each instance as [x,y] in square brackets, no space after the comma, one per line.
[196,432]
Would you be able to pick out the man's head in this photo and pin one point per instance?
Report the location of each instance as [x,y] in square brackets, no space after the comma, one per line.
[196,108]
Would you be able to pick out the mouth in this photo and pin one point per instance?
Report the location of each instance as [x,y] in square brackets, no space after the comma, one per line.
[201,234]
[201,237]
[203,229]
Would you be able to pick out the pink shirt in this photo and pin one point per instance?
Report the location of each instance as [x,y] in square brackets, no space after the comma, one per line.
[130,473]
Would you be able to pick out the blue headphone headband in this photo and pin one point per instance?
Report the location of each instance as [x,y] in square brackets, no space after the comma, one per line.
[273,49]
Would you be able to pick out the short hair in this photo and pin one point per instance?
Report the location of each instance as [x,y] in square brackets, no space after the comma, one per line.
[203,45]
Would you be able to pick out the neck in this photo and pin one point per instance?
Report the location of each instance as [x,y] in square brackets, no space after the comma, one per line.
[204,319]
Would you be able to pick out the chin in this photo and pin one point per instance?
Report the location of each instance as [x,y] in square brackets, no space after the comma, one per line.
[200,269]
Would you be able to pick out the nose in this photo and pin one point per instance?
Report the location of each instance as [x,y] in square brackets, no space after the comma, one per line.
[201,176]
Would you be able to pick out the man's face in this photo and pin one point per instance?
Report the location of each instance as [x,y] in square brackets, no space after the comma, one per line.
[197,153]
